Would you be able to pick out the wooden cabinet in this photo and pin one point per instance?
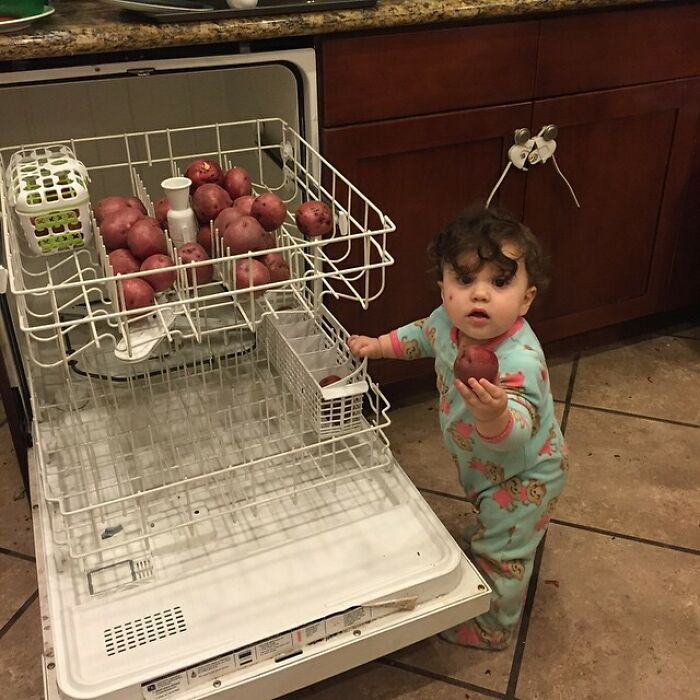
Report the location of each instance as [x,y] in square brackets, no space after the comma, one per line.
[628,131]
[626,154]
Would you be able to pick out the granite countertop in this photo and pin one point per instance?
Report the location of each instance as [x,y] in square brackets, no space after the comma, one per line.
[89,26]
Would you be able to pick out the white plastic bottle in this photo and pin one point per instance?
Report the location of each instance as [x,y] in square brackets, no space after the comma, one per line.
[182,223]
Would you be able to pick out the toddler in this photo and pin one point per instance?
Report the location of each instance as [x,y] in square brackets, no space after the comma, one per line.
[503,437]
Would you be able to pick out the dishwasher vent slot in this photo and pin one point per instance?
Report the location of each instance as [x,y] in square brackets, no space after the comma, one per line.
[144,630]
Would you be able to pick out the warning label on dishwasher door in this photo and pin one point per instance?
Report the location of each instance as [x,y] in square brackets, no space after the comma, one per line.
[163,688]
[211,670]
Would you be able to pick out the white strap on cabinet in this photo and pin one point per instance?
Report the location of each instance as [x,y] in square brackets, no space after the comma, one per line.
[530,151]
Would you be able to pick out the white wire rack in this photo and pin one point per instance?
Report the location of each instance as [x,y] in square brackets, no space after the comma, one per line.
[348,263]
[200,421]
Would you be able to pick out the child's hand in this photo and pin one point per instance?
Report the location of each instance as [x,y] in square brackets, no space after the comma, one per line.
[364,346]
[487,402]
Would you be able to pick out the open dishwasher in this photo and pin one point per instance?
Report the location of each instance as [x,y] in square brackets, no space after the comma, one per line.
[210,520]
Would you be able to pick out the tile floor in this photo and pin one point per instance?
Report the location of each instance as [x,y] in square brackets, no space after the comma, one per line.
[613,610]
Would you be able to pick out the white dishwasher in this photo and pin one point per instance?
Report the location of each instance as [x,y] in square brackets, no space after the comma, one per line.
[211,521]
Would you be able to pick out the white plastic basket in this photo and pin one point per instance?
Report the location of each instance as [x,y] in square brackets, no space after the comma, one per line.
[305,349]
[48,191]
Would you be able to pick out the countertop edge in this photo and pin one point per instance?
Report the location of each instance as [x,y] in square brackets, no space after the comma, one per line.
[129,36]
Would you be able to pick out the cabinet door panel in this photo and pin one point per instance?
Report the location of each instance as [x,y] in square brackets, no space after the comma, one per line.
[422,172]
[622,151]
[405,73]
[613,49]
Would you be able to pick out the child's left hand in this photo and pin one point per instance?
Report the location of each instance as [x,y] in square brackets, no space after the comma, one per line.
[487,402]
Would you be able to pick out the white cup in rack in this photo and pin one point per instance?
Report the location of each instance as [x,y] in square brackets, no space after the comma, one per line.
[182,223]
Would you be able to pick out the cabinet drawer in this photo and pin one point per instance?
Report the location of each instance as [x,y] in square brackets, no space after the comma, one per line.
[614,49]
[382,76]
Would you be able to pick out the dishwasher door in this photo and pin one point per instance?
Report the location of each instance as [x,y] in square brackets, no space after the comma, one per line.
[39,106]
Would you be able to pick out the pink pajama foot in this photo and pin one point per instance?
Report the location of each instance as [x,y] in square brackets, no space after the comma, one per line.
[470,634]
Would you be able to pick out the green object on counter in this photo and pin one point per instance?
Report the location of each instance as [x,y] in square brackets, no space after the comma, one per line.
[21,8]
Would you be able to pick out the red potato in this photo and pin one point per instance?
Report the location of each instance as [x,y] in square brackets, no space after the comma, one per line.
[245,234]
[209,201]
[202,172]
[160,281]
[204,238]
[135,203]
[161,209]
[137,293]
[251,272]
[269,210]
[123,261]
[194,252]
[330,379]
[109,205]
[115,227]
[146,238]
[314,219]
[277,265]
[224,218]
[237,182]
[478,362]
[244,204]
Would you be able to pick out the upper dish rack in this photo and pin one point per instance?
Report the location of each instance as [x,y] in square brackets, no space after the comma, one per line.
[74,293]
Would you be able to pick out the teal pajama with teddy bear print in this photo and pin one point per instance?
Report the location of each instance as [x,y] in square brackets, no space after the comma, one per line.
[513,479]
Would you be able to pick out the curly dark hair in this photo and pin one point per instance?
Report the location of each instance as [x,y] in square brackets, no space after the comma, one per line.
[484,231]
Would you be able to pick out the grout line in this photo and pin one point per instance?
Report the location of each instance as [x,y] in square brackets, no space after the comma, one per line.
[440,677]
[18,555]
[525,623]
[6,627]
[623,536]
[569,393]
[433,492]
[616,412]
[683,337]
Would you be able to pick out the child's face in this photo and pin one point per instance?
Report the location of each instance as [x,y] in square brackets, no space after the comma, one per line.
[485,303]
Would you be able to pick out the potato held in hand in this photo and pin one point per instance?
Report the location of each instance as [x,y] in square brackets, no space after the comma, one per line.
[314,219]
[477,362]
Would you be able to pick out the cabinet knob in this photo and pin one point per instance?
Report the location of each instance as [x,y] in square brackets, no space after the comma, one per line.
[550,132]
[521,136]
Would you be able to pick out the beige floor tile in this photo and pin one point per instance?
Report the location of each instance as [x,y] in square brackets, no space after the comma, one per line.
[20,658]
[623,621]
[416,441]
[659,377]
[15,516]
[378,681]
[632,475]
[17,583]
[559,376]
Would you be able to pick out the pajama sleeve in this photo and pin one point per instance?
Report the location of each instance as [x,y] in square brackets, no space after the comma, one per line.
[522,378]
[414,340]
